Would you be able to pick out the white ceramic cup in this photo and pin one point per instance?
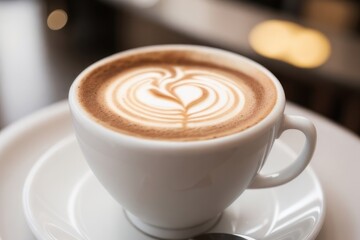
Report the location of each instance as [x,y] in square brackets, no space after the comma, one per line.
[175,190]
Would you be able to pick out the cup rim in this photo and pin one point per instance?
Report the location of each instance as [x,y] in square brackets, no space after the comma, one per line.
[265,123]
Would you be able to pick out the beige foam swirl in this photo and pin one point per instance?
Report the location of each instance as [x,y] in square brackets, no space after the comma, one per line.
[174,96]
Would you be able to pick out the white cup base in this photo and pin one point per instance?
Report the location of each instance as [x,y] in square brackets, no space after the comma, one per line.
[168,233]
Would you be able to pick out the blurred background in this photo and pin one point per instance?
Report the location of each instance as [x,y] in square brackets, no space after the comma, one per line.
[312,46]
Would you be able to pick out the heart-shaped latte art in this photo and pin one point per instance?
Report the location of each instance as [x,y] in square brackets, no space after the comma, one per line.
[174,97]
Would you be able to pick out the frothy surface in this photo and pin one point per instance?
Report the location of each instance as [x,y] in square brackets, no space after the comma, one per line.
[174,98]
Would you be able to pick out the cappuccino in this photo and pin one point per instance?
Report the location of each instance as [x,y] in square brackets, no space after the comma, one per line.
[175,95]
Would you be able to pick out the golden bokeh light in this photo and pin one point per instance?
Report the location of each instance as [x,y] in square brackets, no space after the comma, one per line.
[291,43]
[57,19]
[309,48]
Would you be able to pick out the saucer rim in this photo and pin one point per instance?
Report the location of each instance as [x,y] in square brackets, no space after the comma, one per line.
[29,178]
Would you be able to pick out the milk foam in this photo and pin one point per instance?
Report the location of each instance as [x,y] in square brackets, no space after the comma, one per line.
[175,96]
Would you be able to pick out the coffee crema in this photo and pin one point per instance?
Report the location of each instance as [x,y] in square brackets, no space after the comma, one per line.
[172,95]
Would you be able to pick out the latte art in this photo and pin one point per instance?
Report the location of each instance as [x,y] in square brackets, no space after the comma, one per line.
[174,97]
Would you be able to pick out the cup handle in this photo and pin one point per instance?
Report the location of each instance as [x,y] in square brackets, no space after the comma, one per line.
[285,175]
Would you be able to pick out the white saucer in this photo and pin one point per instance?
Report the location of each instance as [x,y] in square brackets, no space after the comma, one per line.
[63,200]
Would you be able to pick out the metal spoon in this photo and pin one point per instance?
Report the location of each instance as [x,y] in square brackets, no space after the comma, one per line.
[221,236]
